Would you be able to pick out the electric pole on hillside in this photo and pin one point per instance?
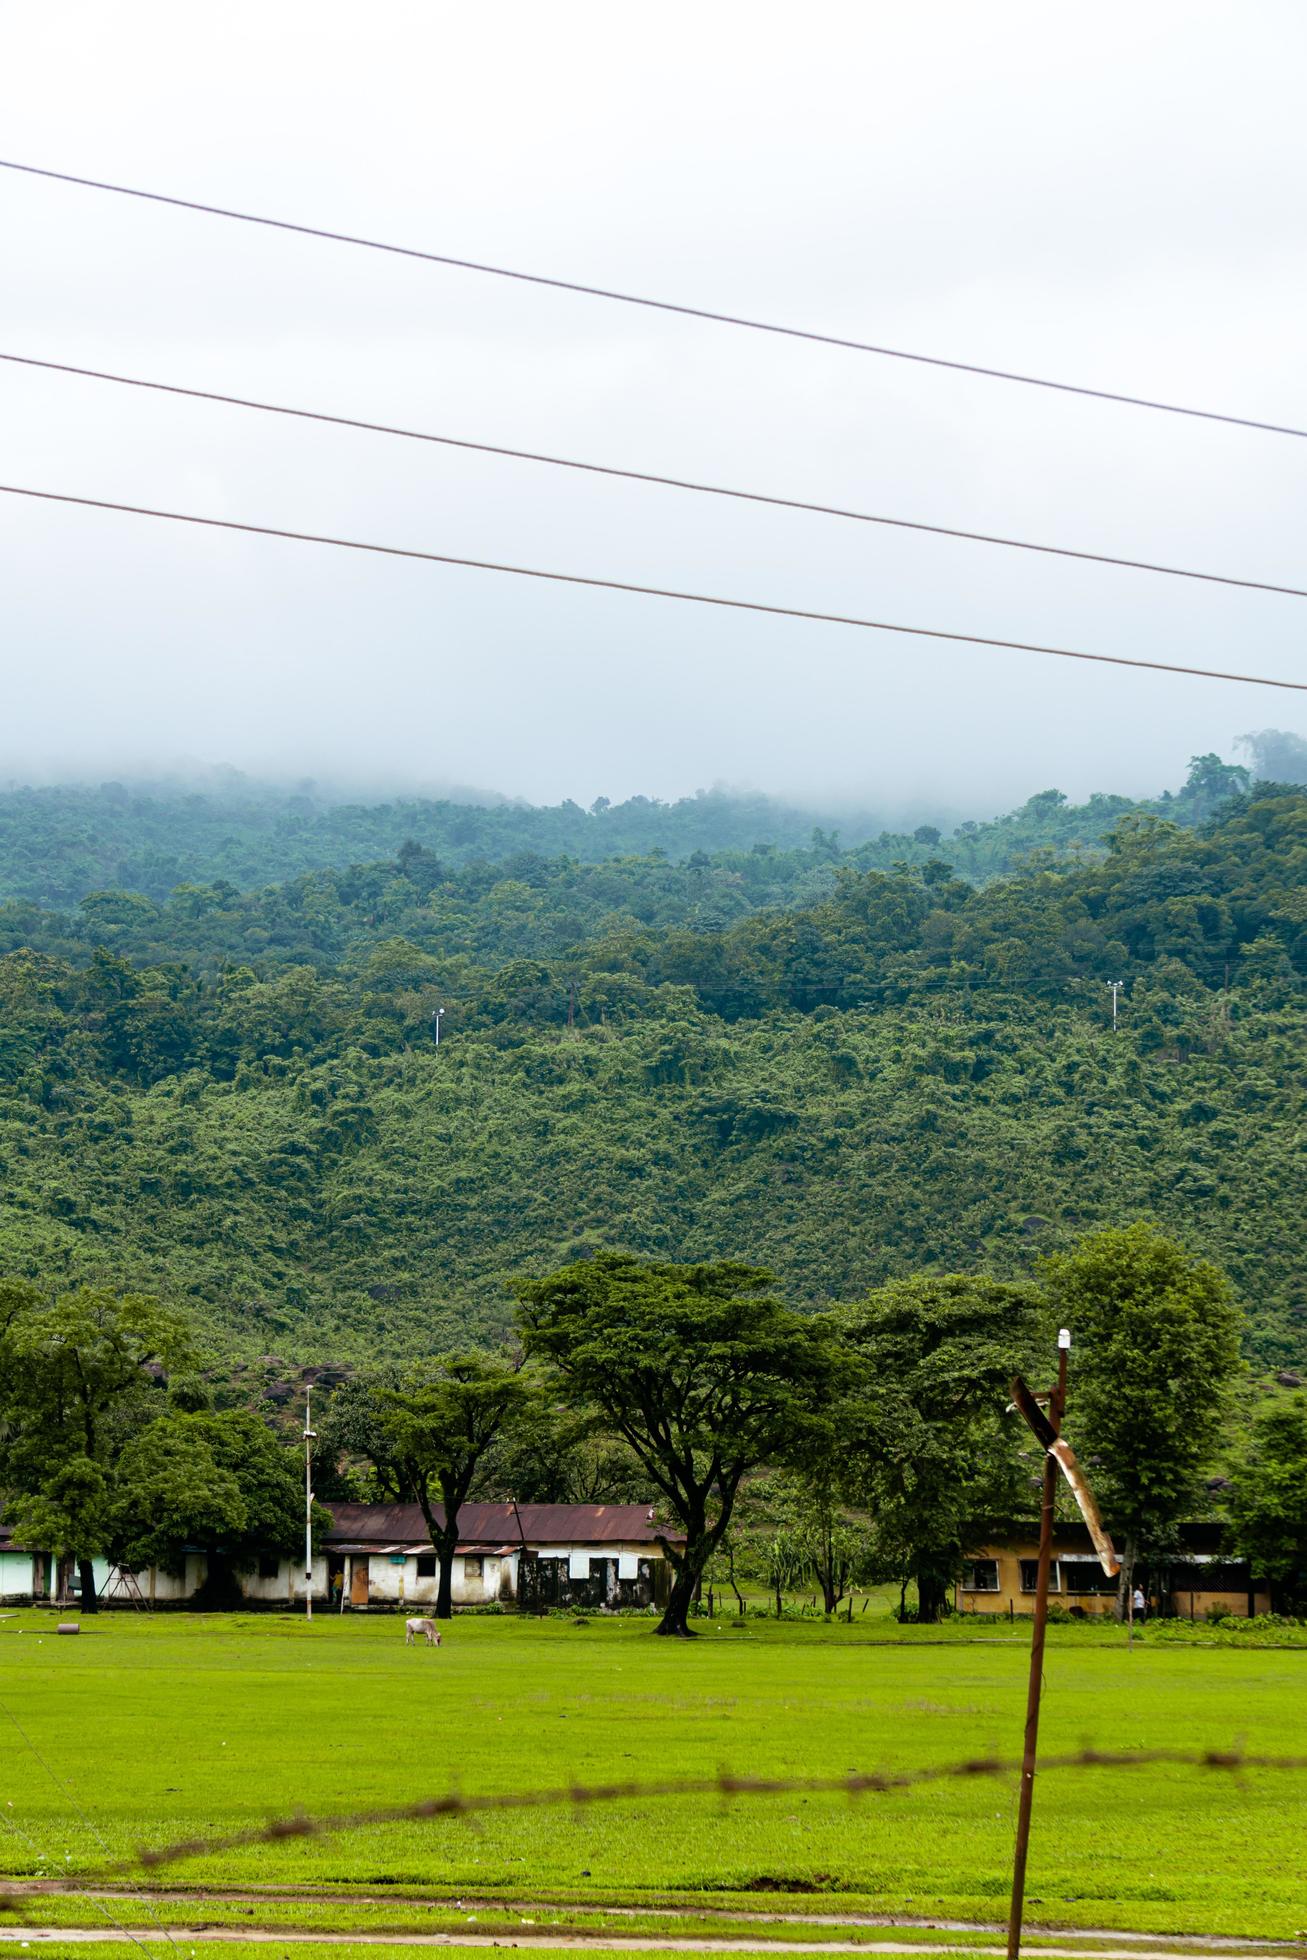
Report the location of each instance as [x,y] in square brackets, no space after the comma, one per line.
[309,1433]
[1116,986]
[1046,1425]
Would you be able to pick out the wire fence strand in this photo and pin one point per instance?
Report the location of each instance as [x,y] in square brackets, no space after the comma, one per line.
[724,1785]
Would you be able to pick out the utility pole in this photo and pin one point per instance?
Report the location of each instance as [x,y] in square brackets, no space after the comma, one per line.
[1046,1425]
[436,1019]
[1116,986]
[1056,1408]
[309,1434]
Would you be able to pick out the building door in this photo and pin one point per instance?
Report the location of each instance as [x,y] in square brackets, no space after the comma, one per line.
[358,1581]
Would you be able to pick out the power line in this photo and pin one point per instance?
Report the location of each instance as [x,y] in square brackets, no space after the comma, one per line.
[69,1795]
[655,305]
[12,1893]
[644,591]
[648,476]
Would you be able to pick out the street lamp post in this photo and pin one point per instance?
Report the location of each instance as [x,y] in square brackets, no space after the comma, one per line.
[436,1019]
[309,1433]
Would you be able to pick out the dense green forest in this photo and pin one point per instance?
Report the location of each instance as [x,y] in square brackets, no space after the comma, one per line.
[843,1068]
[58,844]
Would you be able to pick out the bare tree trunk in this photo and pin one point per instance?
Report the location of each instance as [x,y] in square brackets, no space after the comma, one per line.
[445,1583]
[86,1573]
[676,1614]
[688,1568]
[932,1598]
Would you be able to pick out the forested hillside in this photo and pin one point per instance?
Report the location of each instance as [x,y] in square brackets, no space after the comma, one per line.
[844,1071]
[58,844]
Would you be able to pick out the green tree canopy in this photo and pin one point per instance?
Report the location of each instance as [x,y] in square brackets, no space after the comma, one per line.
[440,1424]
[75,1389]
[171,1493]
[931,1451]
[222,1484]
[1268,1502]
[1154,1356]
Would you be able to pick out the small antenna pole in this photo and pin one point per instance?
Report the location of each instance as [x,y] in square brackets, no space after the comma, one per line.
[308,1505]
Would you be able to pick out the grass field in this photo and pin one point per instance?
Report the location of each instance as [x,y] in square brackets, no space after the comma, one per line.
[163,1727]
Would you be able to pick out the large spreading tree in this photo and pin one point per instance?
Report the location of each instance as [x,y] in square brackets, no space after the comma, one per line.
[700,1372]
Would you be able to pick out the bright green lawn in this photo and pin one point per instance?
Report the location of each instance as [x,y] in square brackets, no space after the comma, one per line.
[173,1725]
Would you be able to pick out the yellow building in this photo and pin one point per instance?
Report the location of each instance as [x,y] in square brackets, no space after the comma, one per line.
[1201,1580]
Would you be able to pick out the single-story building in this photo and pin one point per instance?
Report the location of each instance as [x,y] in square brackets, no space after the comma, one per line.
[601,1556]
[1200,1579]
[535,1555]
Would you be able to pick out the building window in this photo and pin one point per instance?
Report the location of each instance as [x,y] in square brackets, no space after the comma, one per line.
[472,1567]
[1087,1576]
[1030,1576]
[426,1562]
[980,1575]
[269,1565]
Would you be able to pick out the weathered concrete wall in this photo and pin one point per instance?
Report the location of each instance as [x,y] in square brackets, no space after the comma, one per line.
[285,1587]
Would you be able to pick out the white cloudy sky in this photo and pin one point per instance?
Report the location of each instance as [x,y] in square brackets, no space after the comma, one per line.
[1114,196]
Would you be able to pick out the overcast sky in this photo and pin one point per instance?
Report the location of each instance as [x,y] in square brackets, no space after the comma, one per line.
[1113,196]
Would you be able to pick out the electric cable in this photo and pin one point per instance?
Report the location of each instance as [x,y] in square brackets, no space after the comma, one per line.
[644,591]
[648,476]
[655,305]
[67,1792]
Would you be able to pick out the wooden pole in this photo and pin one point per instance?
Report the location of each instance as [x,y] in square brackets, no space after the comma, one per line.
[1056,1408]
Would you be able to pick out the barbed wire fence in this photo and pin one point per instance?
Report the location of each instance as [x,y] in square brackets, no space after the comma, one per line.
[725,1786]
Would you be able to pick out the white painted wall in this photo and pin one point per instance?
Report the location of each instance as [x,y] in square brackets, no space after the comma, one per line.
[16,1574]
[392,1578]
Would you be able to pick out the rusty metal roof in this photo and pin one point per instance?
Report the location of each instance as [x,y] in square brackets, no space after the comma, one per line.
[483,1524]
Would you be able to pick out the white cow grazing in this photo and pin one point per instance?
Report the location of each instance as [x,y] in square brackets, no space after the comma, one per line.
[426,1627]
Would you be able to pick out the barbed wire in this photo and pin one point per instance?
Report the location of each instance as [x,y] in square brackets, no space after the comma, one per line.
[453,1803]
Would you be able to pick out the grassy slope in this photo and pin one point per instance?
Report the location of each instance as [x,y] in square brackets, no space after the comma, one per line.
[162,1727]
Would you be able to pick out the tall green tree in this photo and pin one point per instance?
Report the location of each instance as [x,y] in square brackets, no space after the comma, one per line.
[440,1424]
[1268,1501]
[170,1492]
[75,1388]
[222,1483]
[1155,1355]
[698,1369]
[931,1452]
[354,1457]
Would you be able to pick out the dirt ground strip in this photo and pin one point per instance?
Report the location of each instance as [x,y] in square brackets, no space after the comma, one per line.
[562,1942]
[1036,1934]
